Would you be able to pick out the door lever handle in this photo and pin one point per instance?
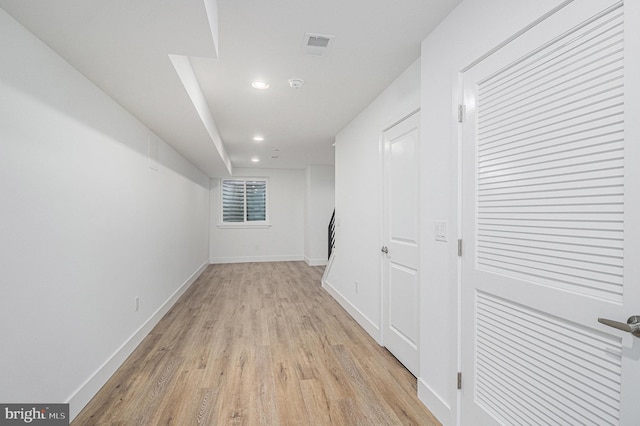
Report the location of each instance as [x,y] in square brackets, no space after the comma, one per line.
[385,249]
[632,325]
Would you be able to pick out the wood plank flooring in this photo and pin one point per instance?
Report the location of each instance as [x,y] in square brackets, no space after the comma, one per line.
[258,344]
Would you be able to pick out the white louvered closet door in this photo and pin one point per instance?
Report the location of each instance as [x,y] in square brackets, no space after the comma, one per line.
[551,207]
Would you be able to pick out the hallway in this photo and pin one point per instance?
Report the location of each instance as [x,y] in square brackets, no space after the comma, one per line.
[258,343]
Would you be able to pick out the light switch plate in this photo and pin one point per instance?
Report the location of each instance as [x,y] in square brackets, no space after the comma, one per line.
[441,230]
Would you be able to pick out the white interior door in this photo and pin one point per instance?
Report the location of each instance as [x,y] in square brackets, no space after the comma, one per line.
[550,209]
[400,250]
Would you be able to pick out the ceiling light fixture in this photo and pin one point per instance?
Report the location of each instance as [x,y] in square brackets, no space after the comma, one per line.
[255,160]
[296,83]
[258,138]
[260,85]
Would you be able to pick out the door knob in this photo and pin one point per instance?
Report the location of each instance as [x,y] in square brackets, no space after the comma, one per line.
[632,325]
[385,250]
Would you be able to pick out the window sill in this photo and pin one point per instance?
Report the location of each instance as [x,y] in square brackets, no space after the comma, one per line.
[243,226]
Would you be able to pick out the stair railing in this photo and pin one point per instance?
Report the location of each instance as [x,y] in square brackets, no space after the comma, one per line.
[332,233]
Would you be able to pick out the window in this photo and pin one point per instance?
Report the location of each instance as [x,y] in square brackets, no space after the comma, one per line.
[244,201]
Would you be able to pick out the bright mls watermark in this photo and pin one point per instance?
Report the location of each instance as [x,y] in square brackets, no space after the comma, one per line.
[34,414]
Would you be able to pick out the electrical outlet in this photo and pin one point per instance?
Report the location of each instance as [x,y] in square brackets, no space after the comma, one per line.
[137,303]
[357,287]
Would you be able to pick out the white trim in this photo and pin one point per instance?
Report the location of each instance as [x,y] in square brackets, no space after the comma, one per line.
[393,123]
[434,402]
[316,262]
[384,173]
[390,124]
[458,95]
[517,34]
[249,259]
[382,234]
[327,270]
[81,396]
[244,225]
[368,325]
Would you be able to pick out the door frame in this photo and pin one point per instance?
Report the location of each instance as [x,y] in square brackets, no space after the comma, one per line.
[383,174]
[459,100]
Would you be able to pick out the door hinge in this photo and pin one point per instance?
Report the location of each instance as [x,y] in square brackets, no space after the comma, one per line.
[461,111]
[459,380]
[460,248]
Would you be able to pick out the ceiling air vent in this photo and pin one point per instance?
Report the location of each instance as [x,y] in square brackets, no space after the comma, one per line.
[316,44]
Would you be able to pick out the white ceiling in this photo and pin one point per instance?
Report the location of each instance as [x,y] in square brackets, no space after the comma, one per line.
[123,47]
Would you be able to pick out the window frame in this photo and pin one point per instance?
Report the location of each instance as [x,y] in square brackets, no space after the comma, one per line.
[256,224]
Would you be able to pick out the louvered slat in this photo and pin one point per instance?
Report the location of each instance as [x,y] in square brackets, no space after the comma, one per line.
[233,201]
[575,373]
[550,158]
[256,200]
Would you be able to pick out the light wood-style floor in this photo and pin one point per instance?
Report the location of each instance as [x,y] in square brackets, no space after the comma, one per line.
[258,344]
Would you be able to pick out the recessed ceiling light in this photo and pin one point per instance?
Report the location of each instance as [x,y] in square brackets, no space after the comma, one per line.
[255,160]
[296,83]
[258,138]
[260,85]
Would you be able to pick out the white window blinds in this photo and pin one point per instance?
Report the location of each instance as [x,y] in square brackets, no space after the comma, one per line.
[244,200]
[256,195]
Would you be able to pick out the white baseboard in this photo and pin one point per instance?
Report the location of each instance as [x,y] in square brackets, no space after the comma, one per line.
[368,325]
[316,262]
[250,259]
[435,403]
[327,270]
[81,397]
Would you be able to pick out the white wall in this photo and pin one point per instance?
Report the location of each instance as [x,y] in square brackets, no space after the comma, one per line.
[319,205]
[359,201]
[85,227]
[472,30]
[283,240]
